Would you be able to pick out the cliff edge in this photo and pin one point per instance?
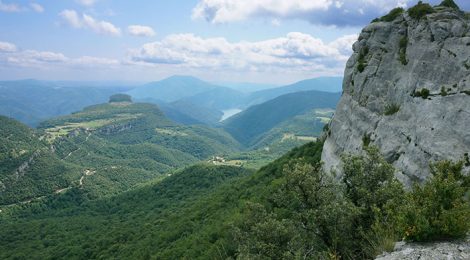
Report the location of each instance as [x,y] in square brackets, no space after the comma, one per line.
[406,90]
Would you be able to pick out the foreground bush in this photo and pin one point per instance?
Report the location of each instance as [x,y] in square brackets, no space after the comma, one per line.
[312,215]
[439,210]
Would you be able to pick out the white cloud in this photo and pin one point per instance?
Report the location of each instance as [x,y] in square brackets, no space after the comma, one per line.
[32,58]
[37,7]
[329,12]
[72,18]
[86,21]
[140,30]
[6,7]
[7,47]
[95,61]
[295,52]
[47,59]
[87,2]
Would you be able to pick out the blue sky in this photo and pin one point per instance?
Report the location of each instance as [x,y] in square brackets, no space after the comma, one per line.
[268,41]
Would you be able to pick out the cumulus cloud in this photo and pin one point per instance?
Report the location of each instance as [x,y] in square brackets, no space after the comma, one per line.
[37,7]
[75,20]
[327,12]
[140,30]
[294,52]
[7,47]
[9,7]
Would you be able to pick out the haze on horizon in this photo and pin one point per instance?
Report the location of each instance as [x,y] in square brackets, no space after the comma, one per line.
[262,41]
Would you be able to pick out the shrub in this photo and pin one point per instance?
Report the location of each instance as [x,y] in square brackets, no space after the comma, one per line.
[371,186]
[392,15]
[450,3]
[366,140]
[439,210]
[391,109]
[423,93]
[443,92]
[402,51]
[361,60]
[420,10]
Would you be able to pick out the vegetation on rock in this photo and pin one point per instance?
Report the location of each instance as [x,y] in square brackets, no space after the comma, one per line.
[392,15]
[420,10]
[450,3]
[391,109]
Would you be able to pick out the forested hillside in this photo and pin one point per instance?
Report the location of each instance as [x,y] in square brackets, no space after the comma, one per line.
[104,149]
[251,124]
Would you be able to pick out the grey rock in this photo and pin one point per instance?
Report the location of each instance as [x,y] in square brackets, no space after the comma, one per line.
[423,130]
[457,250]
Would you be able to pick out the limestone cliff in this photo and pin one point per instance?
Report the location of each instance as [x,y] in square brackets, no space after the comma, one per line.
[406,90]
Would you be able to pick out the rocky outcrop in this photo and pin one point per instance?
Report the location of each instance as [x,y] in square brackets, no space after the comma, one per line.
[458,250]
[406,90]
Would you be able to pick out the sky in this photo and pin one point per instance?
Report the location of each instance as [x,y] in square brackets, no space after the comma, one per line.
[262,41]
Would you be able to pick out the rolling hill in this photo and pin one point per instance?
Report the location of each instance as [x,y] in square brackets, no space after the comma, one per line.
[249,125]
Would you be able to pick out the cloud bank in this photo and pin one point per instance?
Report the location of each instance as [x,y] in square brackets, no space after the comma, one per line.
[72,18]
[295,52]
[326,12]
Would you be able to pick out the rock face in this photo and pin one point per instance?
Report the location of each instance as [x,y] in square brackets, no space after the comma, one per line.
[446,250]
[387,104]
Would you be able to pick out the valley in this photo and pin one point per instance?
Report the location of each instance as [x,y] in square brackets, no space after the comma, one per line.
[256,151]
[109,148]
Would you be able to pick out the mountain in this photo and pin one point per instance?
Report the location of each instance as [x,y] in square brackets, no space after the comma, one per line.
[252,123]
[246,87]
[31,101]
[187,113]
[410,96]
[203,114]
[220,98]
[171,89]
[325,84]
[204,94]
